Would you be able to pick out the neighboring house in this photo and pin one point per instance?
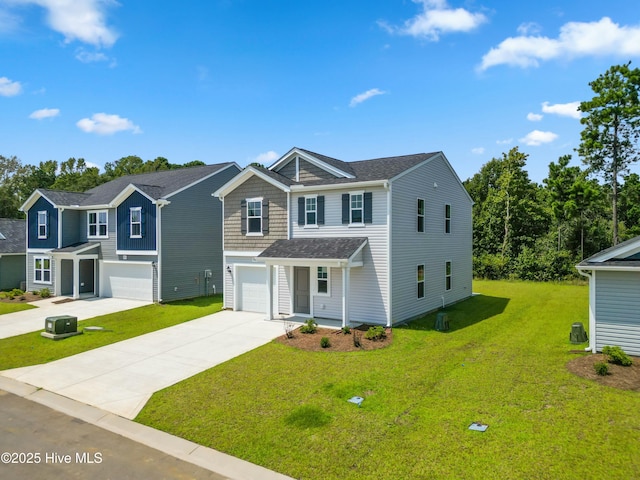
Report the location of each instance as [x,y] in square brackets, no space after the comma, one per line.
[154,236]
[614,297]
[378,241]
[12,253]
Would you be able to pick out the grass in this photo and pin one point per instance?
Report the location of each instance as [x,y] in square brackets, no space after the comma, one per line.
[502,363]
[14,307]
[33,349]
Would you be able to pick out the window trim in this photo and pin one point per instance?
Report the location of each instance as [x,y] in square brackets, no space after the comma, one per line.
[98,224]
[419,282]
[420,216]
[132,223]
[351,209]
[258,233]
[45,235]
[447,218]
[42,270]
[327,279]
[448,275]
[307,224]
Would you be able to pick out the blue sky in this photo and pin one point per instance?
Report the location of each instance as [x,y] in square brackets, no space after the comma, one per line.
[244,80]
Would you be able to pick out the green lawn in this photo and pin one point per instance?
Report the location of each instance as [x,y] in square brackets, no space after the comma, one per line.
[33,349]
[14,307]
[502,363]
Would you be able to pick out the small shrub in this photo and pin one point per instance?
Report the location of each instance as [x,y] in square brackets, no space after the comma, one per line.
[36,292]
[309,327]
[45,293]
[325,342]
[375,333]
[616,355]
[346,330]
[357,339]
[17,292]
[601,368]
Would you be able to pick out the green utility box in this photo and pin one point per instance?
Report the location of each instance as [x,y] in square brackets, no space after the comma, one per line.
[61,324]
[578,334]
[442,322]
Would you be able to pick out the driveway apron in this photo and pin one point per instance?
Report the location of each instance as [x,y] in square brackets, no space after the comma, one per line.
[121,377]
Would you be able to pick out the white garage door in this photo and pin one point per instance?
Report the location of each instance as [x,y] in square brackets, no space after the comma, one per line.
[252,289]
[126,280]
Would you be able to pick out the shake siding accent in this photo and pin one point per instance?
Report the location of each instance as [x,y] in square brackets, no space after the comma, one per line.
[253,188]
[52,225]
[328,306]
[289,170]
[309,172]
[432,247]
[368,300]
[618,310]
[71,227]
[193,218]
[148,227]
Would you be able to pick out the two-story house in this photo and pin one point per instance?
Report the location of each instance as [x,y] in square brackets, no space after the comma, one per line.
[154,236]
[378,241]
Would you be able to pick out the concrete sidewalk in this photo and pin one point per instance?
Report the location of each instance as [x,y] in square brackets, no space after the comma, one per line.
[32,320]
[121,377]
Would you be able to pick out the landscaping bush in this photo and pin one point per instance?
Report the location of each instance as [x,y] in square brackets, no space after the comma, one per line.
[346,330]
[309,327]
[601,368]
[45,293]
[616,355]
[325,342]
[375,333]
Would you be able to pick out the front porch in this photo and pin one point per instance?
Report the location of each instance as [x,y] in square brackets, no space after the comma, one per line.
[77,273]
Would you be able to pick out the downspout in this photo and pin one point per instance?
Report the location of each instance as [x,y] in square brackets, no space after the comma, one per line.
[159,206]
[387,187]
[592,319]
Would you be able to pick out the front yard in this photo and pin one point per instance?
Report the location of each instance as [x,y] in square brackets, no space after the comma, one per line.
[503,363]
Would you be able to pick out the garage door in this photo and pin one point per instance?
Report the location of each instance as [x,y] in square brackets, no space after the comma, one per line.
[126,280]
[252,289]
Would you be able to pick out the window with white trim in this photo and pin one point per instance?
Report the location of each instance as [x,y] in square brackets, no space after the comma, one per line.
[323,280]
[42,270]
[420,214]
[97,224]
[420,278]
[311,210]
[254,215]
[42,224]
[447,218]
[356,208]
[447,275]
[135,222]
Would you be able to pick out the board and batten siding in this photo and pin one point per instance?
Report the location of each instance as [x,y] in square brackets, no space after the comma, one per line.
[72,227]
[618,310]
[368,301]
[433,247]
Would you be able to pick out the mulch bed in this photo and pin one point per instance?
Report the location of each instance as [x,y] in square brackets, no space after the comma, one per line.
[340,342]
[625,378]
[27,297]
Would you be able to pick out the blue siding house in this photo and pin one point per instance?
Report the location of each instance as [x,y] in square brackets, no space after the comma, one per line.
[154,236]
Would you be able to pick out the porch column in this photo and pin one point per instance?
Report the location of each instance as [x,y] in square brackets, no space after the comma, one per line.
[269,292]
[76,277]
[346,274]
[57,285]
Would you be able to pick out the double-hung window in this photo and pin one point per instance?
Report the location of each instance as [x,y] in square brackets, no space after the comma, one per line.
[420,279]
[135,222]
[42,224]
[254,216]
[447,218]
[311,210]
[420,214]
[97,224]
[356,208]
[323,280]
[447,275]
[42,270]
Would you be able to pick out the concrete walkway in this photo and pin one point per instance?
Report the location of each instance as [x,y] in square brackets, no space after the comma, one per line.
[32,320]
[121,377]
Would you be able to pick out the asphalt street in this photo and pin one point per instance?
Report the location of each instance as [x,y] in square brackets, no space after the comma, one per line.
[39,443]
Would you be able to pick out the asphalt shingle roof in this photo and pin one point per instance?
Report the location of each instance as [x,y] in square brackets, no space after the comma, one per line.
[631,261]
[12,235]
[314,248]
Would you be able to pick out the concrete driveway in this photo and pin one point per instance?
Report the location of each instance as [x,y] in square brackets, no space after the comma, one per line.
[121,377]
[32,320]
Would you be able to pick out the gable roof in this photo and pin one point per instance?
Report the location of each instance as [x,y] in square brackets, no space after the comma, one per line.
[338,248]
[13,235]
[624,255]
[155,185]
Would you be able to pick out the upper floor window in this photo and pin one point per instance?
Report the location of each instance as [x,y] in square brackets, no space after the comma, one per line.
[42,224]
[356,207]
[42,270]
[420,279]
[420,213]
[447,218]
[323,280]
[97,224]
[254,216]
[135,222]
[311,210]
[447,275]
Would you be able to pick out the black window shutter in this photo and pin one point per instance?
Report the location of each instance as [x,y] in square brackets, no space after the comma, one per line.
[143,222]
[345,208]
[368,216]
[265,216]
[301,211]
[320,206]
[243,217]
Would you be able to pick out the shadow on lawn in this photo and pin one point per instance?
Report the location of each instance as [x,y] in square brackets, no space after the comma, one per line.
[463,314]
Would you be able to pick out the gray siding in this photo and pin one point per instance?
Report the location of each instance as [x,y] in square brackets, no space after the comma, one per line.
[31,285]
[12,271]
[618,310]
[192,240]
[71,227]
[433,247]
[328,306]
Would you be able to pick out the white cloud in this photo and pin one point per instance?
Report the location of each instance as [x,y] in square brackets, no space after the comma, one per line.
[506,141]
[90,57]
[45,113]
[534,117]
[365,96]
[563,109]
[537,138]
[105,124]
[437,18]
[477,150]
[82,20]
[9,88]
[576,39]
[529,28]
[265,158]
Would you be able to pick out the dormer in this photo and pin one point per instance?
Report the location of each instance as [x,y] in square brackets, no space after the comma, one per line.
[307,167]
